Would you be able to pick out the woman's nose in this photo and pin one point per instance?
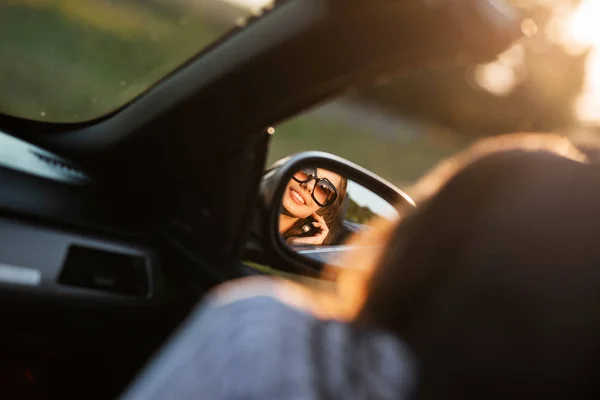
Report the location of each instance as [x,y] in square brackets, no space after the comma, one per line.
[304,185]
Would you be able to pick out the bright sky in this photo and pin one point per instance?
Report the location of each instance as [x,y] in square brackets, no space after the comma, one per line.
[364,197]
[577,31]
[583,29]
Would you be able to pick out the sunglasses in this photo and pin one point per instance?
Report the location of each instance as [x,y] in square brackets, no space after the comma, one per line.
[324,192]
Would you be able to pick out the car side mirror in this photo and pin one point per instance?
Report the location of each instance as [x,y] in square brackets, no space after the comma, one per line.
[312,202]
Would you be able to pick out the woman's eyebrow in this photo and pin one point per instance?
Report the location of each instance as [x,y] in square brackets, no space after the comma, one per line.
[325,179]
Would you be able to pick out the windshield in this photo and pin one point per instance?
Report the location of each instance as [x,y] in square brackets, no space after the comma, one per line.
[76,60]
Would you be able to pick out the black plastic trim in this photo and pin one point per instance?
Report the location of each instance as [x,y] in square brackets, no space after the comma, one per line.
[32,257]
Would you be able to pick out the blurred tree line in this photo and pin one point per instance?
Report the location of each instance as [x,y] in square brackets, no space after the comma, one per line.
[358,214]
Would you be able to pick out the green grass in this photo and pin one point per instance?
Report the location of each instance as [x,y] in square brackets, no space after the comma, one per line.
[72,60]
[396,158]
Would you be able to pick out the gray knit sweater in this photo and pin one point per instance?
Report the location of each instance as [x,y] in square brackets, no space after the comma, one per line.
[259,348]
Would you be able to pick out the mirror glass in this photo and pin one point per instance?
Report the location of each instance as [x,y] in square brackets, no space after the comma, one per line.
[320,209]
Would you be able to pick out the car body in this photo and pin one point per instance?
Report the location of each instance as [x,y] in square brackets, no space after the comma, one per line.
[164,185]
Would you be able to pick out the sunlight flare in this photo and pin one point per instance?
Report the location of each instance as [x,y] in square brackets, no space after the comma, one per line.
[583,31]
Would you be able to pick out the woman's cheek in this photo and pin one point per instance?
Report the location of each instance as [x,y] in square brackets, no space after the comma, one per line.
[305,212]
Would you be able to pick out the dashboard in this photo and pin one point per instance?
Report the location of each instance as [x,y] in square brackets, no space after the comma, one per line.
[56,237]
[82,291]
[46,261]
[19,155]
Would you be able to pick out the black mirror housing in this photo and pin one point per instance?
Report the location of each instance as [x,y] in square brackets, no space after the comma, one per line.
[275,251]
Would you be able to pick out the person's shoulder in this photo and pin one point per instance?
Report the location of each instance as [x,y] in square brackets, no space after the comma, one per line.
[244,342]
[302,355]
[240,342]
[255,306]
[255,340]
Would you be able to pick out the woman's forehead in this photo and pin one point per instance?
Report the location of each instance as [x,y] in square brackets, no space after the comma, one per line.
[332,176]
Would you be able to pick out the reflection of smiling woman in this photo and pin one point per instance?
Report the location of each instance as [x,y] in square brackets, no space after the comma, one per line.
[313,197]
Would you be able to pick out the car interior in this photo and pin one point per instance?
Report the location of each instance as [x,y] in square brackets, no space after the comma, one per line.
[111,229]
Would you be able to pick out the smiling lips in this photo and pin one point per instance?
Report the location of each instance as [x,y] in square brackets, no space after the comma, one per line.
[296,197]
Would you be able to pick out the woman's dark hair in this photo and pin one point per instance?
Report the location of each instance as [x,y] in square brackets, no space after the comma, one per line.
[332,214]
[495,281]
